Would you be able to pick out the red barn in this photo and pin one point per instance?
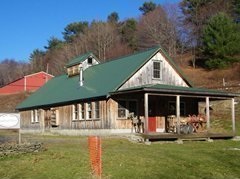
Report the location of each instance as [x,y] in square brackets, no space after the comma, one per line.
[27,83]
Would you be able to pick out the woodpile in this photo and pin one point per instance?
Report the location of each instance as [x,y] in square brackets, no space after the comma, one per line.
[15,149]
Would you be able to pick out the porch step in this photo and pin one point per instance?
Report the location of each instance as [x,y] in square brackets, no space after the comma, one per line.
[194,139]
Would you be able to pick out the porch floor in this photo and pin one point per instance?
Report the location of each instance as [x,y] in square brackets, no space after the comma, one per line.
[195,136]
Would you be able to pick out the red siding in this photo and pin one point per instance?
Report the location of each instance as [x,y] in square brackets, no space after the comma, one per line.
[32,82]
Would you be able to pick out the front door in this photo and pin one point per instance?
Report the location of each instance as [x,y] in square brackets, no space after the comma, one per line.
[152,123]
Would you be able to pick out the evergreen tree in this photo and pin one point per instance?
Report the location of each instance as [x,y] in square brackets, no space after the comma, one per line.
[54,43]
[221,39]
[113,18]
[147,7]
[73,29]
[128,32]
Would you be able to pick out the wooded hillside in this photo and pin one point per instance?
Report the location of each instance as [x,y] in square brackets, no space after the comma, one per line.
[202,36]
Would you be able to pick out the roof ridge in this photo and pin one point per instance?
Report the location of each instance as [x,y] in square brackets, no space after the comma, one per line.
[128,55]
[134,53]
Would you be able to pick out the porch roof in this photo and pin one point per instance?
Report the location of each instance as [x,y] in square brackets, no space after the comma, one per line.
[177,90]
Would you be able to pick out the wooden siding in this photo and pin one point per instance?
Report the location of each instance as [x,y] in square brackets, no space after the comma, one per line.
[158,107]
[26,122]
[144,75]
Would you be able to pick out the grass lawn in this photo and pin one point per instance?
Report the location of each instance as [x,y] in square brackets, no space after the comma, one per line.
[67,157]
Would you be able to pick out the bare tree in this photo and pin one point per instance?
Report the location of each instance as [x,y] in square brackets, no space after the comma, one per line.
[156,28]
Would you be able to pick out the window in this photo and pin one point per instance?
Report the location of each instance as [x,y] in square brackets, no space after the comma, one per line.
[97,114]
[54,117]
[35,116]
[122,109]
[75,112]
[172,108]
[89,110]
[90,60]
[157,70]
[82,114]
[126,107]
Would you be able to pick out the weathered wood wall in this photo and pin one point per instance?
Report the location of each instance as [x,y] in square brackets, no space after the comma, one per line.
[144,75]
[26,122]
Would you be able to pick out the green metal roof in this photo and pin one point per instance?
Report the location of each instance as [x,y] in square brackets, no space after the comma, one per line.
[99,80]
[79,59]
[102,80]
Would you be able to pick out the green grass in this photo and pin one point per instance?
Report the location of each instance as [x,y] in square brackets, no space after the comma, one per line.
[67,157]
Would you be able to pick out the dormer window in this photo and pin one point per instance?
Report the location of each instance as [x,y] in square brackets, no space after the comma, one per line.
[90,60]
[86,61]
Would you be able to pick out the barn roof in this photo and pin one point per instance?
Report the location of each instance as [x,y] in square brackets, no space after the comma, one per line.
[99,81]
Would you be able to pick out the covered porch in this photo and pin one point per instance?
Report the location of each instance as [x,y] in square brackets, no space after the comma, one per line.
[171,112]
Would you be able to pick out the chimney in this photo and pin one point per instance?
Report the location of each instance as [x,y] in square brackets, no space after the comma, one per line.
[80,74]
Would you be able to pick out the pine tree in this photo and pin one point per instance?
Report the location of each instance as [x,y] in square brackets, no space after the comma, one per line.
[221,39]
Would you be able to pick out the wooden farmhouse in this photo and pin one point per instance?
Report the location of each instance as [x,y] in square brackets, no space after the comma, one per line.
[144,92]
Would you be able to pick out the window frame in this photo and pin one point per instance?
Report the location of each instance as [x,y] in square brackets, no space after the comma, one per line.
[75,112]
[89,111]
[97,109]
[157,70]
[35,115]
[81,111]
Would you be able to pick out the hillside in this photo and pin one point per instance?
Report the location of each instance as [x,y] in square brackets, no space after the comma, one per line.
[212,79]
[8,103]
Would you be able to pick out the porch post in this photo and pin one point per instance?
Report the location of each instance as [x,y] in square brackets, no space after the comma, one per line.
[146,113]
[178,113]
[207,113]
[233,117]
[42,120]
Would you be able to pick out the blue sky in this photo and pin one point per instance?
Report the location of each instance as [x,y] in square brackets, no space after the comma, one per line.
[28,24]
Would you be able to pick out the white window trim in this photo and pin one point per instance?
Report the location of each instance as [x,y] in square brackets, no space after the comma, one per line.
[80,111]
[87,109]
[161,63]
[74,117]
[94,109]
[34,116]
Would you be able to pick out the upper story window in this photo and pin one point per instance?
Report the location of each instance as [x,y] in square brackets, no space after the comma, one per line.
[90,60]
[157,69]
